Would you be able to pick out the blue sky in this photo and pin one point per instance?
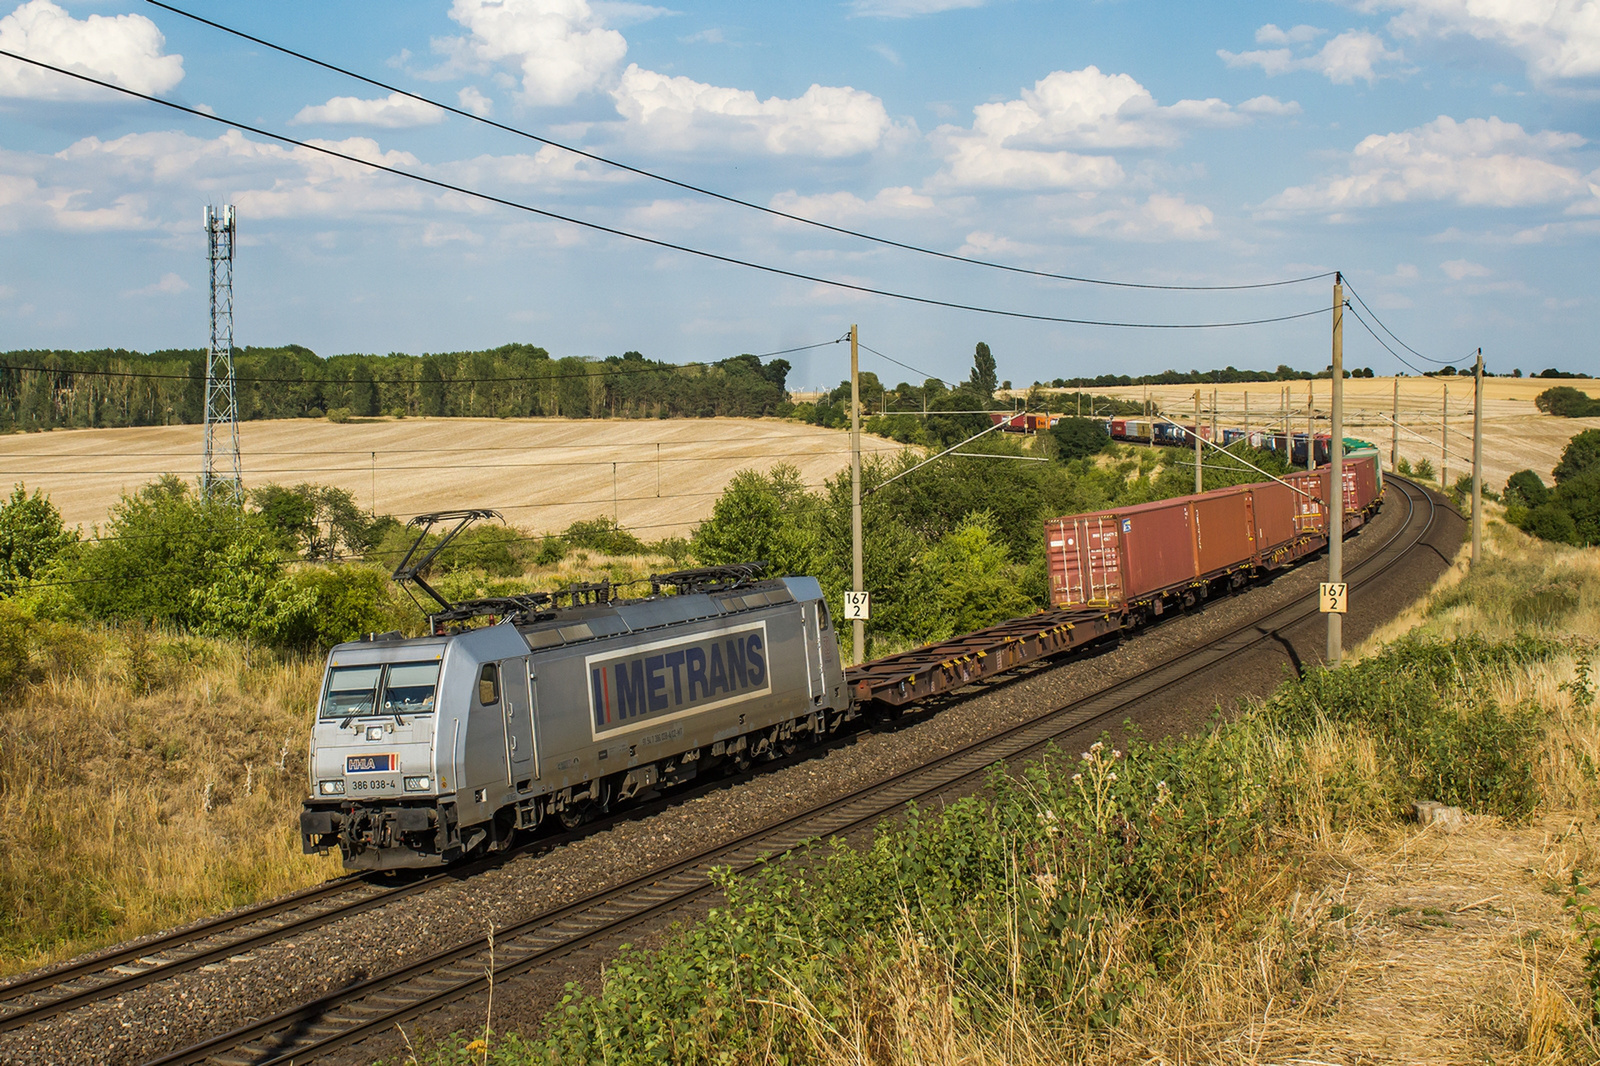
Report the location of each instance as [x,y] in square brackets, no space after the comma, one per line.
[1439,152]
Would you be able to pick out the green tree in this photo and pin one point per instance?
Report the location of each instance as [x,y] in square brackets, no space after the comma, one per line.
[762,517]
[983,379]
[1079,438]
[1581,453]
[1527,488]
[1567,402]
[31,538]
[965,581]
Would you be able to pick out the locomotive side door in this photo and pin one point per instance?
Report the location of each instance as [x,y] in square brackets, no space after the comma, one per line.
[518,711]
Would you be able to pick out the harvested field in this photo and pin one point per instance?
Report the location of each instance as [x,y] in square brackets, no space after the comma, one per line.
[1516,436]
[656,477]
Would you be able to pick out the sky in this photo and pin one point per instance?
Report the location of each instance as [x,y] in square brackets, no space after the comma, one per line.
[1441,154]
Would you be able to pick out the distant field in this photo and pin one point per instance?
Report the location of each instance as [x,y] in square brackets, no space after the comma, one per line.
[1516,436]
[542,474]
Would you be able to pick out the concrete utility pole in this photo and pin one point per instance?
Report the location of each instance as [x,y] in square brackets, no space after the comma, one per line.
[1336,474]
[1247,417]
[859,630]
[1444,442]
[1477,459]
[1394,427]
[1199,479]
[1214,438]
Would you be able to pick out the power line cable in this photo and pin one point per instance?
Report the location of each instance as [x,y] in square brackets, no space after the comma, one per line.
[927,301]
[1381,341]
[724,197]
[1390,332]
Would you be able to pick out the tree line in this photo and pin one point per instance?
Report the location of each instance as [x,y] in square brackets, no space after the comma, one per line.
[115,387]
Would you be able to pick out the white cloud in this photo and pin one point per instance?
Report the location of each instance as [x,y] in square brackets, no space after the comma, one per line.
[900,201]
[1557,39]
[1457,269]
[561,47]
[169,285]
[680,113]
[1270,34]
[1161,217]
[622,13]
[889,54]
[1477,162]
[1269,105]
[471,99]
[707,36]
[903,9]
[1035,141]
[124,49]
[394,111]
[1354,54]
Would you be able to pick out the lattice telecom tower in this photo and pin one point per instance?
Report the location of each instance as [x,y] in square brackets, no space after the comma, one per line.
[222,402]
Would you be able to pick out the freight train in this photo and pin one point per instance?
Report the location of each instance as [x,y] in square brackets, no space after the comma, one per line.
[429,749]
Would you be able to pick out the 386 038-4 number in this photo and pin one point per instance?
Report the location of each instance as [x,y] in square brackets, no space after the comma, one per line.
[363,784]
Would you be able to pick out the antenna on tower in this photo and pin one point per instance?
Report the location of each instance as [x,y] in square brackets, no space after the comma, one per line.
[222,401]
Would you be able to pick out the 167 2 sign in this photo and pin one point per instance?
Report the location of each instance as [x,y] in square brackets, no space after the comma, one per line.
[1334,597]
[857,606]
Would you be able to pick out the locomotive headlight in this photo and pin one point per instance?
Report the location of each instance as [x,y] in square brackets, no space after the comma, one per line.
[417,784]
[331,788]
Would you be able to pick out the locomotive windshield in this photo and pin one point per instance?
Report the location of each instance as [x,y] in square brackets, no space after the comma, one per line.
[407,688]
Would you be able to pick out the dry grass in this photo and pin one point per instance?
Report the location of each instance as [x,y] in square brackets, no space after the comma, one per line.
[147,780]
[543,473]
[1373,943]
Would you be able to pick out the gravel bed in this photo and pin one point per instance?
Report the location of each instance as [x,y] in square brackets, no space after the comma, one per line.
[160,1018]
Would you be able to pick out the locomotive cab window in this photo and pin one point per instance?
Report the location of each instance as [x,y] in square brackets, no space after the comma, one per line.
[409,688]
[489,685]
[352,691]
[822,615]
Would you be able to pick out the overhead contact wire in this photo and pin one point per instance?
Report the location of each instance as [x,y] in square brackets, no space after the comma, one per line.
[724,197]
[926,301]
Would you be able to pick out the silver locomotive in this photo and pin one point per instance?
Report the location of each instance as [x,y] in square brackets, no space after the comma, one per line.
[428,749]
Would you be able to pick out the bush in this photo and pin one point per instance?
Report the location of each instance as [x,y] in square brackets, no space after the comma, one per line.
[14,626]
[32,538]
[1527,488]
[1423,470]
[163,549]
[1551,521]
[602,535]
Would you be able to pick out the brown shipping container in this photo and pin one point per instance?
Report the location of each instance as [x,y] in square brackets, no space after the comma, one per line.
[1274,513]
[1157,546]
[1310,513]
[1224,530]
[1084,560]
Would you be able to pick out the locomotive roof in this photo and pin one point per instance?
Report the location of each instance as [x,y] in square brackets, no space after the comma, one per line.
[590,620]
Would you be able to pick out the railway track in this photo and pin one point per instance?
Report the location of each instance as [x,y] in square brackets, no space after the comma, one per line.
[369,1007]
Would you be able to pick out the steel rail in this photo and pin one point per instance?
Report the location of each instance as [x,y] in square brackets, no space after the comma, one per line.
[361,1010]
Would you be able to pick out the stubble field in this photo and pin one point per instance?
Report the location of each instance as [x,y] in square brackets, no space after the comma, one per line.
[657,478]
[1516,436]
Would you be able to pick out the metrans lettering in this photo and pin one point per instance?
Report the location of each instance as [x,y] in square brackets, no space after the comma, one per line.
[658,682]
